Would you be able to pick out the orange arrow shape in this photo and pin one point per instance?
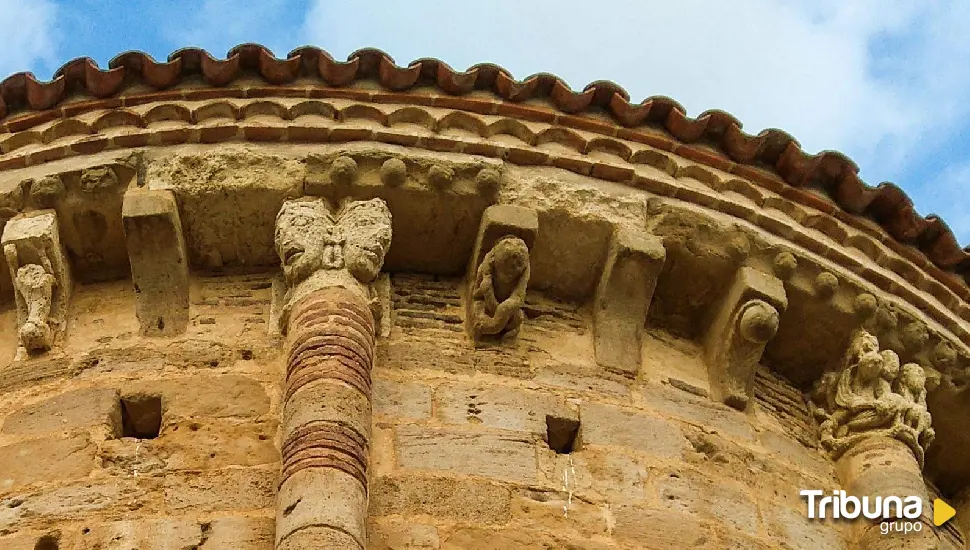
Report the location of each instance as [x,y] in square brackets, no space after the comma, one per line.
[942,512]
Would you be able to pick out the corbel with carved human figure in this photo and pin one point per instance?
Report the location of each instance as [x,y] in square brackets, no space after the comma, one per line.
[41,279]
[499,273]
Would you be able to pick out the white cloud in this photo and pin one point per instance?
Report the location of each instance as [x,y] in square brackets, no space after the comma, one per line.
[218,25]
[29,38]
[764,61]
[814,69]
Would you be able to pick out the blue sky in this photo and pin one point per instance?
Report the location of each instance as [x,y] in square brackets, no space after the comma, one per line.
[883,82]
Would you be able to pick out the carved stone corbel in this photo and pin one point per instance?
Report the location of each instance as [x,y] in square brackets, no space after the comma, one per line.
[499,272]
[623,297]
[331,263]
[159,263]
[41,278]
[746,319]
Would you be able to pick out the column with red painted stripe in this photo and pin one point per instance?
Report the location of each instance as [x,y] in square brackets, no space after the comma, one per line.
[329,261]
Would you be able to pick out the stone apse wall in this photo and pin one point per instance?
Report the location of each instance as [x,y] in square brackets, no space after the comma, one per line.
[240,317]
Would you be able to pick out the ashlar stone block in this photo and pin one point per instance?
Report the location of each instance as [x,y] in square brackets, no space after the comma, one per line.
[85,408]
[41,278]
[742,323]
[159,264]
[623,297]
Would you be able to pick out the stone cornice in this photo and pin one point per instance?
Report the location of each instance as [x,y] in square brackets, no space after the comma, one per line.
[601,106]
[793,214]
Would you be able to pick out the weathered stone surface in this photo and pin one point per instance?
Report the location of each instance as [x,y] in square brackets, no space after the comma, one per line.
[463,499]
[390,536]
[27,541]
[159,261]
[497,407]
[151,534]
[792,528]
[78,409]
[241,533]
[473,538]
[221,396]
[401,400]
[610,425]
[560,513]
[226,489]
[660,529]
[45,459]
[723,500]
[507,457]
[81,500]
[193,445]
[596,474]
[699,411]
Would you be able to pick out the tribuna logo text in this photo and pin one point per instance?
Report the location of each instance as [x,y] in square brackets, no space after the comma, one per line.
[841,506]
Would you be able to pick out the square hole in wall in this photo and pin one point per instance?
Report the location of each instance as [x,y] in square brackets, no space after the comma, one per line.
[141,416]
[561,433]
[50,541]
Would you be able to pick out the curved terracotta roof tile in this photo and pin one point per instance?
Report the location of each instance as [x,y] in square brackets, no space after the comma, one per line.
[831,171]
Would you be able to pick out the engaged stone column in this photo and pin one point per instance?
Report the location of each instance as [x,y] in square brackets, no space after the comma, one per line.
[875,424]
[329,261]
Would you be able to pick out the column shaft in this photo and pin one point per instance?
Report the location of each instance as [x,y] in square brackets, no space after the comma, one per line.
[883,466]
[322,501]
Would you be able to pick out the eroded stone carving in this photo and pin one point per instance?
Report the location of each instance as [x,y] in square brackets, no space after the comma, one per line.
[394,172]
[872,395]
[500,286]
[45,192]
[343,171]
[499,272]
[488,180]
[320,247]
[41,278]
[441,176]
[746,319]
[35,286]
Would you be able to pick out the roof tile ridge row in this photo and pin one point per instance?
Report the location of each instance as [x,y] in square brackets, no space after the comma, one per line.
[831,171]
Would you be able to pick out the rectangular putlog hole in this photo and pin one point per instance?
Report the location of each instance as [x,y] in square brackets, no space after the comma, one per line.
[141,416]
[561,433]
